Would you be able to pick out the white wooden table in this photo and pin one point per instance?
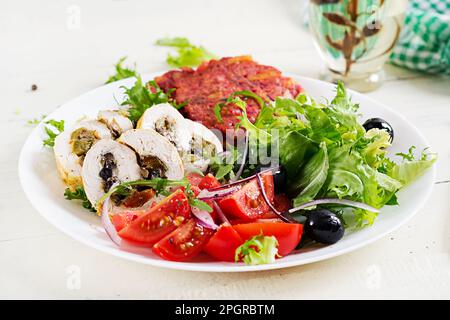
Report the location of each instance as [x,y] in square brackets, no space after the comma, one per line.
[69,47]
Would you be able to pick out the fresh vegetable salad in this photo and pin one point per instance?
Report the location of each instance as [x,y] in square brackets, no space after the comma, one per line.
[281,171]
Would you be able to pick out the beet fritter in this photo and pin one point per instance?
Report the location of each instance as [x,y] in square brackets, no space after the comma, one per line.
[203,88]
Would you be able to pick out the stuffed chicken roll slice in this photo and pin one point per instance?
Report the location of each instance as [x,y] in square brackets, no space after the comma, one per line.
[116,121]
[203,145]
[107,164]
[157,157]
[168,122]
[71,147]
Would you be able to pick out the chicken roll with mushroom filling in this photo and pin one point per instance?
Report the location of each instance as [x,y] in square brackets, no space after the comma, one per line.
[116,120]
[71,147]
[168,122]
[157,157]
[108,163]
[203,145]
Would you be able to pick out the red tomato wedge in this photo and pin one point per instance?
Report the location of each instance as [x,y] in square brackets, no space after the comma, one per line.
[122,220]
[209,182]
[159,221]
[287,234]
[248,203]
[223,244]
[184,243]
[194,178]
[263,220]
[282,203]
[206,182]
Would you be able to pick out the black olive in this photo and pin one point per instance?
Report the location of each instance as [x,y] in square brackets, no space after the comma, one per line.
[279,178]
[105,173]
[381,124]
[324,226]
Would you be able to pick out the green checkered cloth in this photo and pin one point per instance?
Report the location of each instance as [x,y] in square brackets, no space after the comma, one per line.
[424,43]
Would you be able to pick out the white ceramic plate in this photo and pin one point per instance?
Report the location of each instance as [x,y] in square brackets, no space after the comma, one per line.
[45,190]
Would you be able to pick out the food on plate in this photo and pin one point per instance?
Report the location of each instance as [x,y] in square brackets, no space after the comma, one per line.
[116,120]
[184,243]
[151,226]
[195,143]
[107,164]
[324,226]
[203,145]
[247,203]
[279,177]
[188,55]
[303,171]
[381,124]
[157,157]
[215,80]
[223,244]
[71,146]
[259,249]
[288,235]
[168,122]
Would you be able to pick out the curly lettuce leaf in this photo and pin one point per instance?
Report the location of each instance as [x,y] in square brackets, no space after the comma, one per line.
[321,127]
[258,250]
[411,168]
[188,55]
[344,184]
[282,114]
[377,142]
[350,177]
[344,112]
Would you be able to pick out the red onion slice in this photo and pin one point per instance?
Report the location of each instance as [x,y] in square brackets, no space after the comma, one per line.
[107,224]
[266,199]
[228,185]
[112,232]
[204,218]
[220,213]
[208,195]
[344,202]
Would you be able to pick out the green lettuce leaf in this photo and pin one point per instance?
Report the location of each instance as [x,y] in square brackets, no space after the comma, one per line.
[188,55]
[79,194]
[350,177]
[321,126]
[344,112]
[376,144]
[52,128]
[258,250]
[295,150]
[411,169]
[283,114]
[312,176]
[344,184]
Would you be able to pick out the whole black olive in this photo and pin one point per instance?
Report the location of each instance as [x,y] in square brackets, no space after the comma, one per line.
[324,226]
[279,178]
[381,124]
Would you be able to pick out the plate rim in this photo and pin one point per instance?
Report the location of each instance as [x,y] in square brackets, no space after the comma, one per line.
[202,267]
